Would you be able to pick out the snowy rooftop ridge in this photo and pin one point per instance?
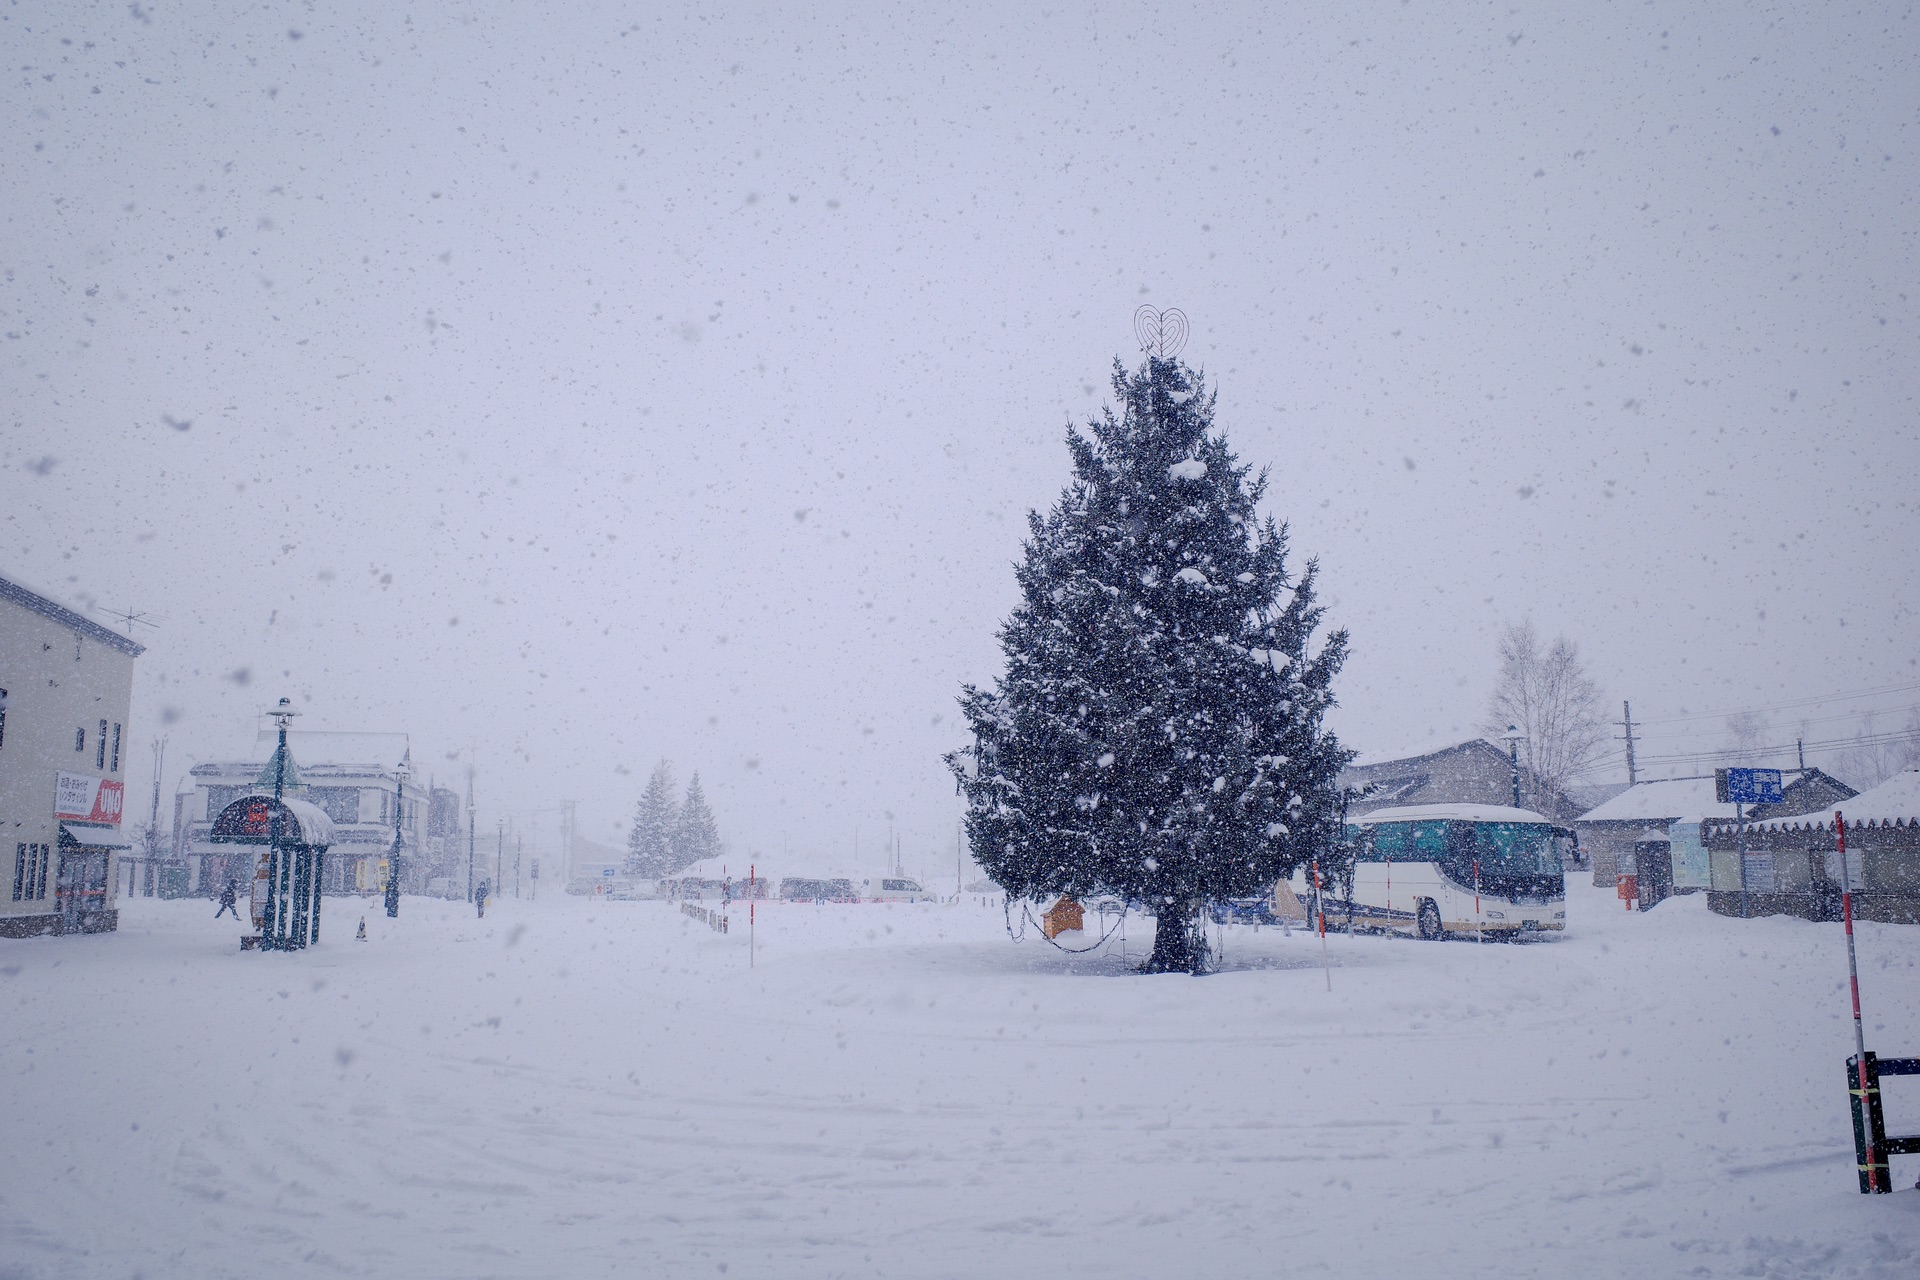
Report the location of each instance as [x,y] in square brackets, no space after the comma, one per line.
[1894,803]
[1368,759]
[325,746]
[1450,813]
[1664,800]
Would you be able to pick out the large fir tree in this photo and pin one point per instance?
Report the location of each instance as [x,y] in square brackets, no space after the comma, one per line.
[696,836]
[656,820]
[1158,731]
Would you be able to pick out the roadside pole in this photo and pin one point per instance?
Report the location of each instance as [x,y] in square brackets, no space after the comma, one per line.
[1740,813]
[1320,910]
[753,900]
[1853,979]
[1478,926]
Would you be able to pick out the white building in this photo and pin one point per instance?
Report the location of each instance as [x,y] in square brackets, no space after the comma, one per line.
[66,687]
[354,778]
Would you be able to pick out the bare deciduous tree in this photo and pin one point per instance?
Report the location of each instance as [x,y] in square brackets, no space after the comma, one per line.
[1747,736]
[1877,754]
[1546,694]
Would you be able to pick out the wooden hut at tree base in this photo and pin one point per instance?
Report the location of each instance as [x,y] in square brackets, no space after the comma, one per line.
[1064,916]
[1792,864]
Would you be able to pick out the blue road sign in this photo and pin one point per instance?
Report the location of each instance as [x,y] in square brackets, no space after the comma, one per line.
[1749,786]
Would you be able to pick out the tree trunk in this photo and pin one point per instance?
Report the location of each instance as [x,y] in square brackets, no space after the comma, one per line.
[1179,941]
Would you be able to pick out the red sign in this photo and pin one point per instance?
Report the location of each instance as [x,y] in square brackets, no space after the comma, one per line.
[89,799]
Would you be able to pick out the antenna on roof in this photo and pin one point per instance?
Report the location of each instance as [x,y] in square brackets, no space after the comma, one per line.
[129,619]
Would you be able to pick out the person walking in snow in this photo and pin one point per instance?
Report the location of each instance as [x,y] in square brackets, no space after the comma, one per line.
[228,896]
[480,898]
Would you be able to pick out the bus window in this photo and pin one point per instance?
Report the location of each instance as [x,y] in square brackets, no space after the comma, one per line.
[1385,843]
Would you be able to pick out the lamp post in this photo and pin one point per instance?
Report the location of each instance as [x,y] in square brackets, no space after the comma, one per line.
[393,861]
[278,871]
[1512,738]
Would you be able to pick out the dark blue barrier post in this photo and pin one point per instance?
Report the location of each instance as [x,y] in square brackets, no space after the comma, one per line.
[1870,1121]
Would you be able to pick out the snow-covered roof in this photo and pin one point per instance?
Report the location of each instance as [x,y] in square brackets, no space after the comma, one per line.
[47,607]
[1663,801]
[1451,813]
[1894,802]
[381,751]
[1372,759]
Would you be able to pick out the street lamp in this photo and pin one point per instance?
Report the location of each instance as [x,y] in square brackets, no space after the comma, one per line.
[1512,738]
[393,862]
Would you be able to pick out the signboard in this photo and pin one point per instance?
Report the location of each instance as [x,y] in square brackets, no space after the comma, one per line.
[607,872]
[1690,862]
[1746,786]
[262,891]
[88,799]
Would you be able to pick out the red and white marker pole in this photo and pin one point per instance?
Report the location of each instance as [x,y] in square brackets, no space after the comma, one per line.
[1478,927]
[752,901]
[1853,977]
[1320,908]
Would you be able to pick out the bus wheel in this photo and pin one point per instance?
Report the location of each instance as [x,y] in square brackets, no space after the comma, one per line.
[1430,920]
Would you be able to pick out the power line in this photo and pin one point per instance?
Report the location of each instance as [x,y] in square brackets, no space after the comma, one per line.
[1829,745]
[1784,706]
[1844,716]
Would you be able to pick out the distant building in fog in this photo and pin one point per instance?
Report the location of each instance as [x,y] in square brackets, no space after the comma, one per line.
[353,779]
[1473,772]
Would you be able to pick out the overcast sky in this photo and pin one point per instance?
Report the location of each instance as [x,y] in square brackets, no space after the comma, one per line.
[574,386]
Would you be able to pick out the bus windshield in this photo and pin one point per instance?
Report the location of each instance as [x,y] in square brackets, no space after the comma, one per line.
[1512,848]
[1513,859]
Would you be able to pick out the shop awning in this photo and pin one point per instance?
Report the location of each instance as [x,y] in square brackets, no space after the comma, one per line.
[91,837]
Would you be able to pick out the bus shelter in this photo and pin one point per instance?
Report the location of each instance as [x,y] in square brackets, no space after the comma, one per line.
[292,837]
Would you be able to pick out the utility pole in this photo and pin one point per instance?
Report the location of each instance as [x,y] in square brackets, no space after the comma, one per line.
[153,823]
[519,844]
[1626,714]
[469,835]
[499,850]
[1800,746]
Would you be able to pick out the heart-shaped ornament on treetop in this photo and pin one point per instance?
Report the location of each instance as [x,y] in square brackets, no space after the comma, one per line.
[1161,333]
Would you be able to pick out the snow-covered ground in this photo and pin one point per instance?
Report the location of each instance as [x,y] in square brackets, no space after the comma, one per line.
[574,1087]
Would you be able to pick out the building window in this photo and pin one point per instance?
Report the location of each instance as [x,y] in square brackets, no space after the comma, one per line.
[79,739]
[116,748]
[100,748]
[30,872]
[342,804]
[219,798]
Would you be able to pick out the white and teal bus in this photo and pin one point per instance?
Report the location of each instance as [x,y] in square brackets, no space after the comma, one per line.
[1450,868]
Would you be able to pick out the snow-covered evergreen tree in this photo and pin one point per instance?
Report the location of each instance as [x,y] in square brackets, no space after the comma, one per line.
[1158,731]
[696,837]
[656,822]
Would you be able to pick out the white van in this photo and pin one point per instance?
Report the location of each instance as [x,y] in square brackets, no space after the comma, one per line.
[895,889]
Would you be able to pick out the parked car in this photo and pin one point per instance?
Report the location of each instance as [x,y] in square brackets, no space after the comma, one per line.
[895,889]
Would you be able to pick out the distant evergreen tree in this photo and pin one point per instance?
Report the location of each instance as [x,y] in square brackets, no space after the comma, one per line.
[656,820]
[1157,733]
[696,837]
